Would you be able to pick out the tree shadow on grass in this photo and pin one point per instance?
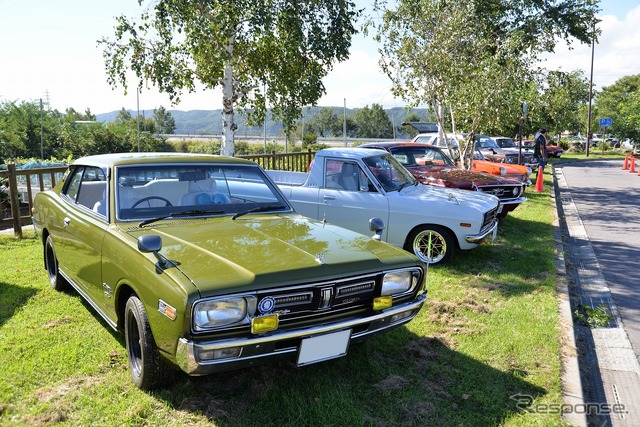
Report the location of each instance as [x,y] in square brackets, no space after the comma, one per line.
[398,379]
[13,297]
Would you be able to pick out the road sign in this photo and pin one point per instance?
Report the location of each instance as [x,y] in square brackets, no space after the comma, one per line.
[606,122]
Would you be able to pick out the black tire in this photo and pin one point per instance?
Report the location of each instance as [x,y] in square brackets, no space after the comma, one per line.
[443,244]
[148,369]
[56,281]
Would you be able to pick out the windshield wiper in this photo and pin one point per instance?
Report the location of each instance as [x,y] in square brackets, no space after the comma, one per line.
[259,209]
[180,213]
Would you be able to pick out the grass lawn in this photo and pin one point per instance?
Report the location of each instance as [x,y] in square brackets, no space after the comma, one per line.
[488,332]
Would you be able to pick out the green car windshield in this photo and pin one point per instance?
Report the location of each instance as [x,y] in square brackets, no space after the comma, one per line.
[150,191]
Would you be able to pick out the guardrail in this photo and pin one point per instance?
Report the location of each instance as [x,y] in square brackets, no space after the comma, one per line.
[25,183]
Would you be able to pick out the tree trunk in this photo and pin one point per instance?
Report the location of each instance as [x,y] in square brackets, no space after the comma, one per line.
[227,147]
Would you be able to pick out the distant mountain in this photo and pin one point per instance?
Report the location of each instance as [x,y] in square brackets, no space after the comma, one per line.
[209,122]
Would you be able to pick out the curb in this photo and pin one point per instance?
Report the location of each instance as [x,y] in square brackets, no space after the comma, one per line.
[571,381]
[608,367]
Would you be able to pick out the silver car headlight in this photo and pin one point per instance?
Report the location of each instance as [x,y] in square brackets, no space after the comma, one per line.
[398,282]
[216,313]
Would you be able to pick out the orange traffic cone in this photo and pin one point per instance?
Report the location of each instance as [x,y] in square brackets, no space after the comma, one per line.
[632,168]
[626,162]
[539,181]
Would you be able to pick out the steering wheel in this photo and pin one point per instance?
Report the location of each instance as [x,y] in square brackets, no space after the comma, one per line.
[146,199]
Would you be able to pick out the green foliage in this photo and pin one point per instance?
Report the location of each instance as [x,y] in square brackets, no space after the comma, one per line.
[325,123]
[592,316]
[309,139]
[373,122]
[164,121]
[621,102]
[71,134]
[561,105]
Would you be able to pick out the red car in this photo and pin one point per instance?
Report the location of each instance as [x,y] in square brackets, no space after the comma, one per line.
[431,166]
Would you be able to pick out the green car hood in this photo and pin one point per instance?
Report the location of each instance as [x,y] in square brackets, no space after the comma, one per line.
[261,251]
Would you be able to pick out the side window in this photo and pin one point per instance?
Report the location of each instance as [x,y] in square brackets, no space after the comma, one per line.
[93,190]
[73,183]
[346,176]
[332,173]
[87,186]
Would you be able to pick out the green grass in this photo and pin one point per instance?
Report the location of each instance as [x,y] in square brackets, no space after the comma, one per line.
[489,331]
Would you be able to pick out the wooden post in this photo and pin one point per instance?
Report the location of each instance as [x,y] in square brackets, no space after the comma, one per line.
[15,200]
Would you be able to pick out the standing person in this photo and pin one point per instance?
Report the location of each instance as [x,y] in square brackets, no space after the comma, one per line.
[540,149]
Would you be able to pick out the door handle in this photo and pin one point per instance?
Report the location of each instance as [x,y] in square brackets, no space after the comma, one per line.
[329,198]
[66,221]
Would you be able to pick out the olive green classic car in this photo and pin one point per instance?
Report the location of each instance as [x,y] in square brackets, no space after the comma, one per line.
[204,265]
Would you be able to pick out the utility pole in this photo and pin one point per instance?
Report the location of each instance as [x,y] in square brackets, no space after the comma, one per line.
[138,117]
[41,132]
[344,122]
[593,43]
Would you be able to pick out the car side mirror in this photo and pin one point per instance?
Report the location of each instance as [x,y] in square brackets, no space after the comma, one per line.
[376,225]
[152,243]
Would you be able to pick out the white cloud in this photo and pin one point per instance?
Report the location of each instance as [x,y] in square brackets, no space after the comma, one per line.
[615,53]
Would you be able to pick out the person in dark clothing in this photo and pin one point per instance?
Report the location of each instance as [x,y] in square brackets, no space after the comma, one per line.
[540,148]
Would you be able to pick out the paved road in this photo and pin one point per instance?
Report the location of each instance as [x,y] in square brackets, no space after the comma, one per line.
[600,205]
[608,201]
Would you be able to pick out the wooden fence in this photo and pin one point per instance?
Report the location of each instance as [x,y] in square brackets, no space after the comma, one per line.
[25,183]
[23,186]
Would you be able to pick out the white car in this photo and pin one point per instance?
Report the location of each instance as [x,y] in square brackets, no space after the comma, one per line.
[349,186]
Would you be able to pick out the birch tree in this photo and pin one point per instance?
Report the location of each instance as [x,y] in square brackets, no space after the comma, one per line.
[259,52]
[472,59]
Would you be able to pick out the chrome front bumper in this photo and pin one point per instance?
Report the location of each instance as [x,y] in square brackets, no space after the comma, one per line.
[479,238]
[285,344]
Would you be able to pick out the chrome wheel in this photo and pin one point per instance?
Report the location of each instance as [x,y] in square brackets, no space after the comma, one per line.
[432,244]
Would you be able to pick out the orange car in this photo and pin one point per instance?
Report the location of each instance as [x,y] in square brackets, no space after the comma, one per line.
[480,164]
[508,170]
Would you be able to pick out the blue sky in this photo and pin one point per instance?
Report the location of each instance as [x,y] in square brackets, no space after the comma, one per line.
[49,50]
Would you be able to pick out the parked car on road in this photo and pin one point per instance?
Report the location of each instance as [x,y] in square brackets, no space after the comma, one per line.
[431,166]
[205,266]
[346,185]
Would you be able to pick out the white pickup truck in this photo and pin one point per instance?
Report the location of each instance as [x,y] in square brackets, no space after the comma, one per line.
[349,186]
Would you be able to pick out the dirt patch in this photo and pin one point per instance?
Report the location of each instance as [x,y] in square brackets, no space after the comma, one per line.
[392,383]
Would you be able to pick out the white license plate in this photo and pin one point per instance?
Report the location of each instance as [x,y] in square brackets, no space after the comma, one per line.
[323,347]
